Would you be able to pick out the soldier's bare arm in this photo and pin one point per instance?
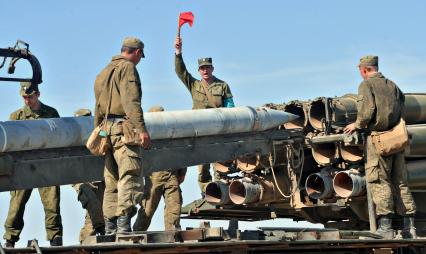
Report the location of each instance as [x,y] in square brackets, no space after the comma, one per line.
[178,45]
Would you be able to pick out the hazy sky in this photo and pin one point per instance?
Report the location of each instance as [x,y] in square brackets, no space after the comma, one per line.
[268,51]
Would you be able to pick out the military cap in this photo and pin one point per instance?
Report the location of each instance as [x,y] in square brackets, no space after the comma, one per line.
[156,109]
[83,112]
[205,61]
[133,42]
[28,89]
[369,61]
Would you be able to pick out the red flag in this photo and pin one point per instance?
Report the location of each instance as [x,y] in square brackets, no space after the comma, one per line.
[186,17]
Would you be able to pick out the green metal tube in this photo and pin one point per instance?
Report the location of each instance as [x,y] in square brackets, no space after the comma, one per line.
[415,108]
[344,110]
[417,147]
[416,174]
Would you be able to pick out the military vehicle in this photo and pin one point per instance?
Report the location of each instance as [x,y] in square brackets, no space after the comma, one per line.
[301,168]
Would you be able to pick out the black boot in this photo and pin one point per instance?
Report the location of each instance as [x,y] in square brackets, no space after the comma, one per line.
[111,226]
[123,224]
[57,241]
[409,231]
[9,244]
[100,230]
[385,227]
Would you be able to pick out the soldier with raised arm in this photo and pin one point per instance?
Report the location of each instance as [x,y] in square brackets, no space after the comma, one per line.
[209,92]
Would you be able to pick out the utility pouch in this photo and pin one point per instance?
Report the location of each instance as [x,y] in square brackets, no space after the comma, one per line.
[392,141]
[98,142]
[130,135]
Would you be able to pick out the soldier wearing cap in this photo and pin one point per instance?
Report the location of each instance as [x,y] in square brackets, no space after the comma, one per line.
[91,197]
[50,196]
[161,183]
[123,172]
[380,108]
[209,92]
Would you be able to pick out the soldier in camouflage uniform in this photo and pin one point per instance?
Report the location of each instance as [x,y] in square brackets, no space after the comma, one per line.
[380,108]
[50,196]
[209,92]
[91,196]
[123,172]
[157,184]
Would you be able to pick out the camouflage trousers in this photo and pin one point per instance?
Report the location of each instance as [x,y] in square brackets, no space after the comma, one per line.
[204,176]
[123,176]
[387,180]
[91,197]
[155,188]
[50,197]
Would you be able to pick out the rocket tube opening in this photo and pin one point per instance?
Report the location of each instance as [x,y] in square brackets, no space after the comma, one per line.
[348,184]
[318,186]
[237,192]
[296,110]
[317,114]
[351,153]
[324,153]
[217,193]
[343,185]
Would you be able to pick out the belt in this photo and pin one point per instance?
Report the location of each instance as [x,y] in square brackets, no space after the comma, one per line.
[112,117]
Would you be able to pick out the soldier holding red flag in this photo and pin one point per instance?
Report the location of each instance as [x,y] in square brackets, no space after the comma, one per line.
[209,92]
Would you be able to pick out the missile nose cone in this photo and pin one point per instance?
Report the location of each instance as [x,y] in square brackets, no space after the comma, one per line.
[292,117]
[276,118]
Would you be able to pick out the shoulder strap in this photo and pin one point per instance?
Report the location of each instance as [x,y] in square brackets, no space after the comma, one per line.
[208,94]
[110,80]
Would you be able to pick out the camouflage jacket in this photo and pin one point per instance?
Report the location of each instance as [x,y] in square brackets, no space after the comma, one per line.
[380,104]
[126,93]
[219,89]
[26,113]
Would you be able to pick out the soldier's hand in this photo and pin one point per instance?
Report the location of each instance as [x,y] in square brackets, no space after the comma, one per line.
[349,128]
[145,140]
[178,45]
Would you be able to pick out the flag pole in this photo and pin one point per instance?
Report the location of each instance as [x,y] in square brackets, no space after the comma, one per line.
[178,32]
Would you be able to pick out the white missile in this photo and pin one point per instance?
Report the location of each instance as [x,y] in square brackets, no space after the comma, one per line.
[74,131]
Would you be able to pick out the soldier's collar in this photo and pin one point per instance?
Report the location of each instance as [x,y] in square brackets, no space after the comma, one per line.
[119,57]
[29,112]
[376,75]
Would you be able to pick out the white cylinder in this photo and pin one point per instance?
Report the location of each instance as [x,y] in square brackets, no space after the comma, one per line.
[44,133]
[74,131]
[206,122]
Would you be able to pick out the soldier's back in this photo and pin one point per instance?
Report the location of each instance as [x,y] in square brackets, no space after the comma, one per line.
[389,102]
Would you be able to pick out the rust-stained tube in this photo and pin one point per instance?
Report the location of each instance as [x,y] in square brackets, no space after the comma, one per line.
[351,154]
[319,185]
[217,193]
[326,153]
[316,114]
[296,108]
[244,192]
[248,192]
[347,184]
